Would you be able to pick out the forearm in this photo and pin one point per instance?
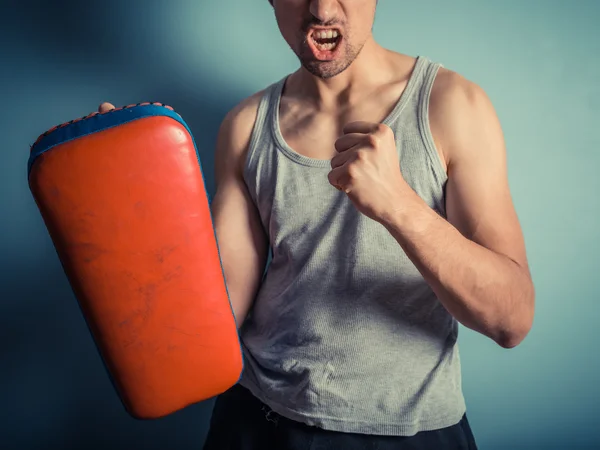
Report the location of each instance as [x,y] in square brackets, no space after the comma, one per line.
[485,291]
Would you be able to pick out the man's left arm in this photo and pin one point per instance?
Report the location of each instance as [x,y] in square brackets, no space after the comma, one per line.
[475,261]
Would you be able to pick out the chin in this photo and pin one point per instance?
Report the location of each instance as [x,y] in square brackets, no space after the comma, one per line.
[325,70]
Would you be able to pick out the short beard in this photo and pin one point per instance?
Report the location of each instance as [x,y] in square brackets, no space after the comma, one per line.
[329,69]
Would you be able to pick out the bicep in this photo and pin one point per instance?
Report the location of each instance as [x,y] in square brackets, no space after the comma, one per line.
[237,222]
[242,245]
[241,238]
[478,198]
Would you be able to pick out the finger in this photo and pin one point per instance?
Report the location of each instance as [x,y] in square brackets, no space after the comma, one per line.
[348,141]
[105,107]
[339,179]
[340,159]
[361,127]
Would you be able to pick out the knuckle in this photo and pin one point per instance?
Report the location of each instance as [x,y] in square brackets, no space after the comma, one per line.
[384,130]
[352,171]
[381,127]
[372,140]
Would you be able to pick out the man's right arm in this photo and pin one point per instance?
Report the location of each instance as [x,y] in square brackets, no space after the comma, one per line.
[243,244]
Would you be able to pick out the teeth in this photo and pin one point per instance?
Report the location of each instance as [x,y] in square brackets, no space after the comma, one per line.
[329,34]
[325,46]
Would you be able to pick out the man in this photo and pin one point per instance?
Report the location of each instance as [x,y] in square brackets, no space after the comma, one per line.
[379,181]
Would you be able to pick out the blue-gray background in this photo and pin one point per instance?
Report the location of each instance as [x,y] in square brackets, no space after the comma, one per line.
[537,59]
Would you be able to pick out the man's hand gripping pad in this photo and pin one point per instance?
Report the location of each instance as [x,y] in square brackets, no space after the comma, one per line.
[123,198]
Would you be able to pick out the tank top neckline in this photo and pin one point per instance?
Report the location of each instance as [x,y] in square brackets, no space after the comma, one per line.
[283,146]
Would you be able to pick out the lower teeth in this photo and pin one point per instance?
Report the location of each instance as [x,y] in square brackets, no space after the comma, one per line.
[325,47]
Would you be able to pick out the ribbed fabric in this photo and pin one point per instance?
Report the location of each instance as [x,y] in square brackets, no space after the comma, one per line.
[345,333]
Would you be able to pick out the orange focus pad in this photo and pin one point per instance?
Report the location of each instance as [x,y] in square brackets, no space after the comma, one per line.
[123,197]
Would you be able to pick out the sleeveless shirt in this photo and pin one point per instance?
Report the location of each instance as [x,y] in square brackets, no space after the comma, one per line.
[345,334]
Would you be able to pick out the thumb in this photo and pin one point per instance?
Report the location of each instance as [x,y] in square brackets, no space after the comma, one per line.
[105,107]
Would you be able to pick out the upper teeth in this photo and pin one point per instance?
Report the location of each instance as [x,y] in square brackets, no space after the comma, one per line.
[326,34]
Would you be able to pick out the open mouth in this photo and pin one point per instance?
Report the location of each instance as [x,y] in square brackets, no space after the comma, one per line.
[325,40]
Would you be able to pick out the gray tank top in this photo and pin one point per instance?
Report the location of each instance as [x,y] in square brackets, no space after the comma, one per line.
[345,333]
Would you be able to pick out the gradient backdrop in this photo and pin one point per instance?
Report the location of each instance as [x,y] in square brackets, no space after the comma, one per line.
[537,59]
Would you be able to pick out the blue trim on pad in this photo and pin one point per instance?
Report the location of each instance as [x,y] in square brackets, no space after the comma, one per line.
[98,122]
[104,121]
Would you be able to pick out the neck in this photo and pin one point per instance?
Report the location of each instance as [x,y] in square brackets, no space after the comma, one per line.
[371,68]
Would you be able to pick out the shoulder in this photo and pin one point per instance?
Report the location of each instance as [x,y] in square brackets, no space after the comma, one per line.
[235,132]
[452,90]
[238,123]
[459,110]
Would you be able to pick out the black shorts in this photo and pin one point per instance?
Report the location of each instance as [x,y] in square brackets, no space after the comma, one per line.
[241,422]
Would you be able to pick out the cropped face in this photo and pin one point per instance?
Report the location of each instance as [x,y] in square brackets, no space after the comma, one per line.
[326,35]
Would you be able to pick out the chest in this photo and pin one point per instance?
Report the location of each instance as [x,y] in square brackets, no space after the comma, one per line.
[312,131]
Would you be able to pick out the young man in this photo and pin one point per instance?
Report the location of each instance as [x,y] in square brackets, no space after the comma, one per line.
[380,183]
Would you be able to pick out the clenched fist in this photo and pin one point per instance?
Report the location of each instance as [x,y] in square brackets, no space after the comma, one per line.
[367,169]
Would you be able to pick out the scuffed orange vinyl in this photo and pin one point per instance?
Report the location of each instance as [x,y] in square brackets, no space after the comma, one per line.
[128,214]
